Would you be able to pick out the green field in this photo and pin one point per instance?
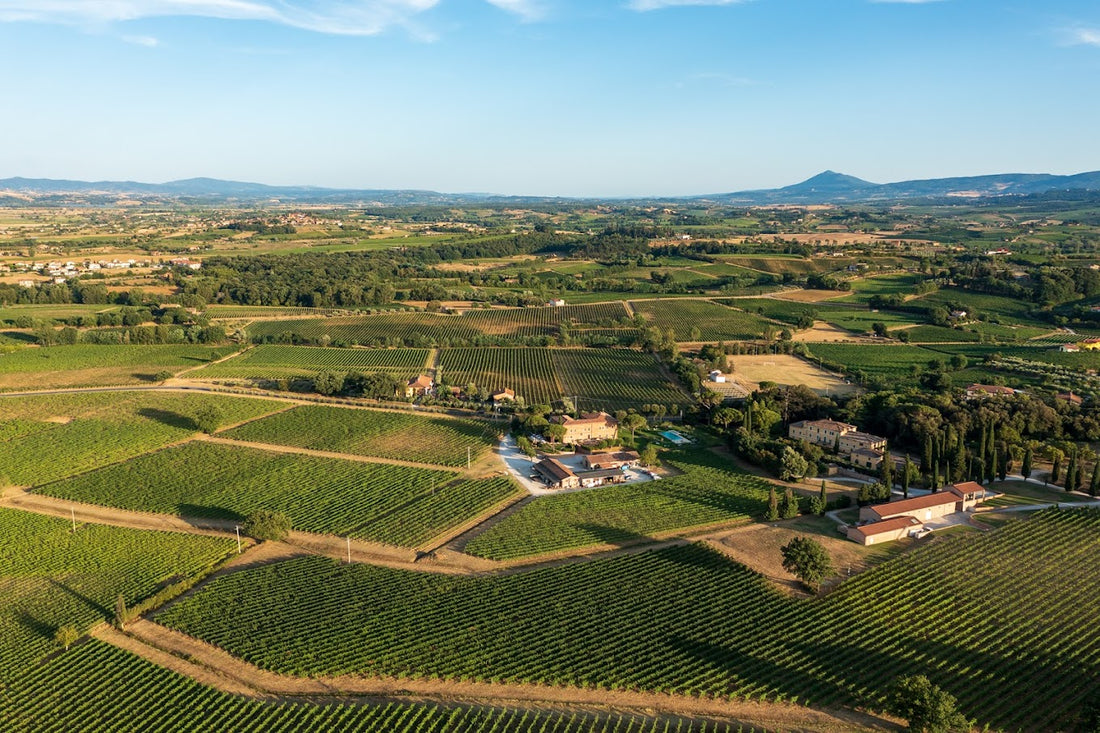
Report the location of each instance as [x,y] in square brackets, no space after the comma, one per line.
[709,490]
[527,371]
[51,577]
[877,360]
[275,362]
[713,322]
[95,686]
[1006,310]
[615,379]
[401,436]
[433,329]
[45,438]
[91,365]
[979,613]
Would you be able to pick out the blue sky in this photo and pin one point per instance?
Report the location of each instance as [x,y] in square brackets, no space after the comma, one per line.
[555,97]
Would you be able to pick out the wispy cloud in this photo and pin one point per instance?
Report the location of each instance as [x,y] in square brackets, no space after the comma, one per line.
[338,17]
[1081,37]
[147,41]
[644,5]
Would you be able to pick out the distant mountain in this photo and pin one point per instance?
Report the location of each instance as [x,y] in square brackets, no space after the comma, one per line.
[825,188]
[831,187]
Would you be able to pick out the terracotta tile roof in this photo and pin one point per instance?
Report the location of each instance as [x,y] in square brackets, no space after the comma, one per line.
[554,468]
[887,525]
[968,487]
[916,503]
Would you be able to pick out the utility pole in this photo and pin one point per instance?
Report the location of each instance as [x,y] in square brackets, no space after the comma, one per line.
[349,549]
[237,529]
[73,511]
[467,465]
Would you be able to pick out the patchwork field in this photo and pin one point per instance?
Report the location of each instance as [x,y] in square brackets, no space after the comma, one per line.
[275,362]
[711,321]
[782,369]
[688,620]
[45,438]
[96,365]
[397,505]
[434,329]
[51,577]
[436,440]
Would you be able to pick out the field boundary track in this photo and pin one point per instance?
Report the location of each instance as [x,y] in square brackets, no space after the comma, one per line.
[273,448]
[211,666]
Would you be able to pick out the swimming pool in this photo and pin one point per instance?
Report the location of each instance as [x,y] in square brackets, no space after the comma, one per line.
[675,438]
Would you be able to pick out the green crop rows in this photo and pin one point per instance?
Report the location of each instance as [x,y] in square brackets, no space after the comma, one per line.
[614,378]
[976,612]
[528,371]
[51,577]
[873,359]
[272,362]
[714,322]
[430,329]
[122,364]
[96,686]
[436,440]
[55,436]
[708,491]
[393,504]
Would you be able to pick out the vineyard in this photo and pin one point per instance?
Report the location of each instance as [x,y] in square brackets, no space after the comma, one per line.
[528,371]
[274,362]
[615,379]
[977,613]
[393,504]
[106,688]
[87,365]
[434,329]
[46,438]
[708,491]
[436,440]
[51,577]
[701,320]
[876,360]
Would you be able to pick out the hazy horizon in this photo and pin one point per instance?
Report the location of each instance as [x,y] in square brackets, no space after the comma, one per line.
[547,97]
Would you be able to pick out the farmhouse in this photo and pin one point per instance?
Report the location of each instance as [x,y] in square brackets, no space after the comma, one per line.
[856,441]
[420,386]
[862,449]
[1070,397]
[887,530]
[984,391]
[591,427]
[556,302]
[1090,344]
[958,498]
[600,461]
[559,476]
[504,395]
[717,377]
[820,432]
[1069,348]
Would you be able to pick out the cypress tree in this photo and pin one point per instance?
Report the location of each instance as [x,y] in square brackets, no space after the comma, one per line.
[1056,467]
[886,471]
[991,466]
[1094,485]
[825,498]
[905,477]
[926,460]
[1025,469]
[1071,472]
[773,505]
[959,461]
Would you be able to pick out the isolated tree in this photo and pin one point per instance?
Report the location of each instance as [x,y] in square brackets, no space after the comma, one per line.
[773,505]
[807,560]
[823,499]
[790,505]
[1071,472]
[208,418]
[648,456]
[1056,466]
[886,470]
[162,376]
[926,707]
[66,635]
[328,383]
[264,524]
[525,445]
[1025,467]
[1094,484]
[792,465]
[633,422]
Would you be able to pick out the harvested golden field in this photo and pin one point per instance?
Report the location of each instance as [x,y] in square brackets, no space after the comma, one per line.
[751,370]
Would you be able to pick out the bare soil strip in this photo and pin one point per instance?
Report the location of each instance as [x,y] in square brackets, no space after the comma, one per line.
[214,667]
